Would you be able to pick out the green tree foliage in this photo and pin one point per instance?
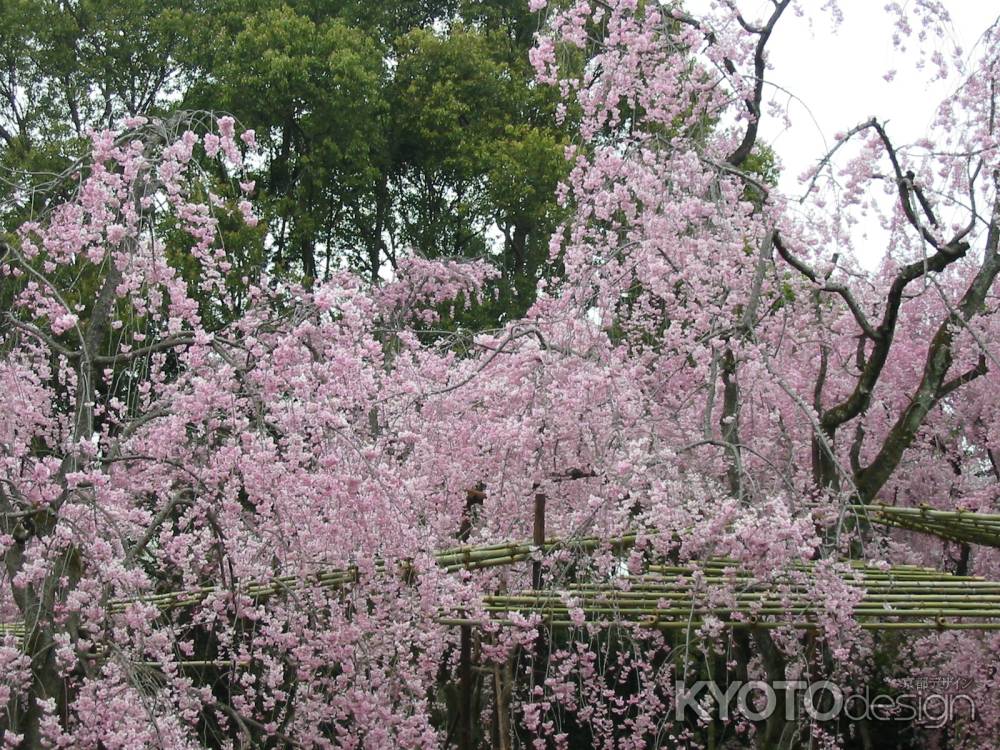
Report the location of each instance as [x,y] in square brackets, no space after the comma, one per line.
[476,157]
[315,93]
[387,128]
[69,65]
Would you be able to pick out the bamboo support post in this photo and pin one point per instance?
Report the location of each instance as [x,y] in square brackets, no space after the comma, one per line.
[465,689]
[538,538]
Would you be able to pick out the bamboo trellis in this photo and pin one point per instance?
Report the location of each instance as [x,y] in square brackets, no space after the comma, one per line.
[466,557]
[15,629]
[954,525]
[666,596]
[963,526]
[672,598]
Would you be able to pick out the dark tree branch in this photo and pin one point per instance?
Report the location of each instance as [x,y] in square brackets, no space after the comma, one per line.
[753,105]
[742,151]
[959,380]
[37,333]
[933,386]
[994,463]
[859,399]
[824,286]
[828,156]
[907,189]
[154,526]
[171,342]
[751,180]
[922,200]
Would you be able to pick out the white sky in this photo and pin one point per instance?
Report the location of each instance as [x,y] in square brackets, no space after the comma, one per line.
[837,79]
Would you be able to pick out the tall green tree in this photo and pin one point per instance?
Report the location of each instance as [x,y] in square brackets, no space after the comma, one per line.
[70,65]
[387,128]
[315,93]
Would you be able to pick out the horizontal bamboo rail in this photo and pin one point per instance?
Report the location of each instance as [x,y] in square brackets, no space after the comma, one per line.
[694,624]
[966,526]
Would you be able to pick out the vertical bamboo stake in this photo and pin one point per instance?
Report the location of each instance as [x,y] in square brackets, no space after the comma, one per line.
[538,538]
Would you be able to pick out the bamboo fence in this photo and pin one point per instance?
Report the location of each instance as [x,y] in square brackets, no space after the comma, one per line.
[15,629]
[466,557]
[962,526]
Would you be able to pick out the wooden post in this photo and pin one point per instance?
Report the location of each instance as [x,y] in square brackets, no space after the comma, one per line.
[538,539]
[540,656]
[473,497]
[466,688]
[466,677]
[503,683]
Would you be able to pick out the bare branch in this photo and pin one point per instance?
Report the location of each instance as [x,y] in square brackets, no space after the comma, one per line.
[828,157]
[753,105]
[171,342]
[764,258]
[966,377]
[37,333]
[861,396]
[154,527]
[940,355]
[742,151]
[906,187]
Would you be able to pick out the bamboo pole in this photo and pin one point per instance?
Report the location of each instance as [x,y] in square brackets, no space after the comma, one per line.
[695,624]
